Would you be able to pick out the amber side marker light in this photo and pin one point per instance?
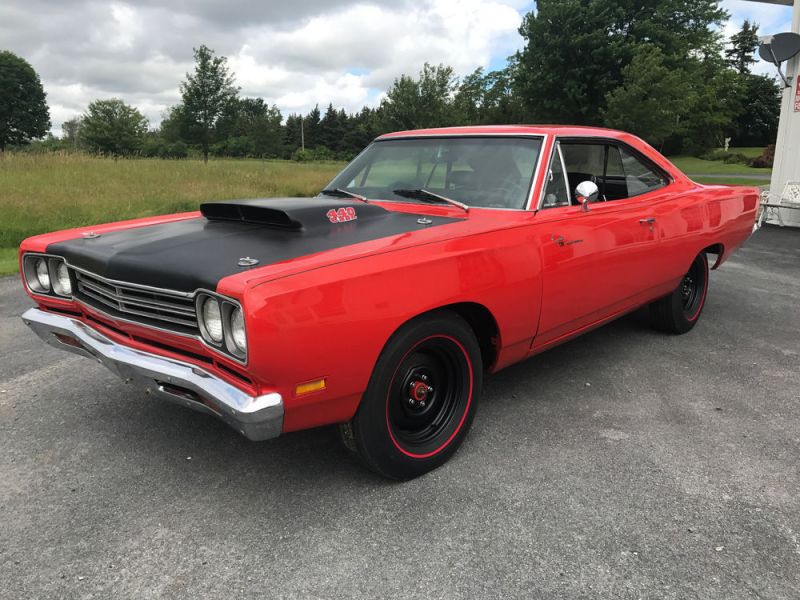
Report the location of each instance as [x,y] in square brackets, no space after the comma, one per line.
[310,386]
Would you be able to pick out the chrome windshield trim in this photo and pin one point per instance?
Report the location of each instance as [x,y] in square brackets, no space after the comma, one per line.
[544,137]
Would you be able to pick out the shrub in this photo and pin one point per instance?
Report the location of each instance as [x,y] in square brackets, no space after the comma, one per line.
[302,155]
[726,157]
[766,159]
[734,158]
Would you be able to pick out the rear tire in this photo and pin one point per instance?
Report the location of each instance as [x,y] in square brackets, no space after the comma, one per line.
[421,398]
[680,311]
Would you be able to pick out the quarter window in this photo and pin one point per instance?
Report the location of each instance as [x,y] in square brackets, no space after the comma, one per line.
[556,192]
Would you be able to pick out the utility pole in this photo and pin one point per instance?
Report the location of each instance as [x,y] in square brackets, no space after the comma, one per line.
[302,135]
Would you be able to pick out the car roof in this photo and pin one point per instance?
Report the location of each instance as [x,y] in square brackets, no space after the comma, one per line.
[561,130]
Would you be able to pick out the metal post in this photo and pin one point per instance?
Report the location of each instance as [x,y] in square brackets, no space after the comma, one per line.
[787,148]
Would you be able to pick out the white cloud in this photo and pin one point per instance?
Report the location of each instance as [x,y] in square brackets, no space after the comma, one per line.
[294,54]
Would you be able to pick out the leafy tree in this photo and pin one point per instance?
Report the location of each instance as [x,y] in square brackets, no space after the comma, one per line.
[575,50]
[70,132]
[419,103]
[206,94]
[743,46]
[23,109]
[249,127]
[651,100]
[112,127]
[486,98]
[710,105]
[759,108]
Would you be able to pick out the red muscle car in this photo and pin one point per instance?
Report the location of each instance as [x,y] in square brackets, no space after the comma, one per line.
[434,257]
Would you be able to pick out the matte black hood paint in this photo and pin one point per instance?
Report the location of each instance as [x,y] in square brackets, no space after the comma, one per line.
[197,253]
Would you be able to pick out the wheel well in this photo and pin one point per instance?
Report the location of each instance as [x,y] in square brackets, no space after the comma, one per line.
[482,322]
[717,250]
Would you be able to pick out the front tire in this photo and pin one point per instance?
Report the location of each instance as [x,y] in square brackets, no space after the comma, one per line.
[421,398]
[680,311]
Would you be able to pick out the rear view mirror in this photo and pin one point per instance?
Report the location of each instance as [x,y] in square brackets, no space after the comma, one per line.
[586,192]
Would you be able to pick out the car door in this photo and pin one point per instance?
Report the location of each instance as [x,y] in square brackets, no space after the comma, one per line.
[597,262]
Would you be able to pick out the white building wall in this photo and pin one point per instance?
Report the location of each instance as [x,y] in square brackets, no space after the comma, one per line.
[787,148]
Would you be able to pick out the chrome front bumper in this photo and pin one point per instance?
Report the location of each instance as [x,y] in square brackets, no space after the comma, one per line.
[256,417]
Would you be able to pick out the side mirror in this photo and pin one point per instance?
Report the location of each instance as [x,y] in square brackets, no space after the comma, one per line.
[586,192]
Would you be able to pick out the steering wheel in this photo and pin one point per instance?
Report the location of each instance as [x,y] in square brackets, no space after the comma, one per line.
[507,191]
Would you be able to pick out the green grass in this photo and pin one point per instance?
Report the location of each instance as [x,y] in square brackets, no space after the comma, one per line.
[48,192]
[692,165]
[730,181]
[8,261]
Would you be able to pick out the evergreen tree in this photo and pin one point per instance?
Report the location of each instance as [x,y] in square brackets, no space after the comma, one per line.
[743,46]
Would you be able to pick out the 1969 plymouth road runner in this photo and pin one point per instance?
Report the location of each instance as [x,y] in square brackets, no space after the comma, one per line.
[378,305]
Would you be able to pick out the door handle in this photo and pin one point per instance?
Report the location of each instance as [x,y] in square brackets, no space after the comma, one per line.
[562,241]
[647,221]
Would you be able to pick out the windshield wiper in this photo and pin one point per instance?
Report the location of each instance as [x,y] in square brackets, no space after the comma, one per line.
[344,194]
[428,196]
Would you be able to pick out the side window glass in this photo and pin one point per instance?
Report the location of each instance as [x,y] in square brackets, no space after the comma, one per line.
[584,162]
[556,192]
[613,185]
[639,177]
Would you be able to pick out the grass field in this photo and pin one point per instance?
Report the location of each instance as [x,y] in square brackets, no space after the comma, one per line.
[730,181]
[693,165]
[40,193]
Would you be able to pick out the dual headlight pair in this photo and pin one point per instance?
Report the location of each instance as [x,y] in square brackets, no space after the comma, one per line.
[47,275]
[222,324]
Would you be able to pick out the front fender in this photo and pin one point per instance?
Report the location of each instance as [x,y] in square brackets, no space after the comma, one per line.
[334,321]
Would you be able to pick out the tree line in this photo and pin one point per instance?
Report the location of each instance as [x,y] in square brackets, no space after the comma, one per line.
[657,68]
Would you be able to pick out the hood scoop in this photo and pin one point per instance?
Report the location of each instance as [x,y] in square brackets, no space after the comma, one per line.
[294,214]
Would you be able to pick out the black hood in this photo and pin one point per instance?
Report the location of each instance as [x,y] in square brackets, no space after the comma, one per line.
[197,253]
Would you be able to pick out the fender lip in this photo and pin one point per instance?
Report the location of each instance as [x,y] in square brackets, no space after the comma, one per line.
[256,417]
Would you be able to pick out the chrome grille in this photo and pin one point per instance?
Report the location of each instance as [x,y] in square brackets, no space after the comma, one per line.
[144,305]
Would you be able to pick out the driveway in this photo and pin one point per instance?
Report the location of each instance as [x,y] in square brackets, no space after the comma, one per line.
[625,464]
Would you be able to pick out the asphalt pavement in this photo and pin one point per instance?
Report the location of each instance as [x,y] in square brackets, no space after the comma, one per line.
[625,464]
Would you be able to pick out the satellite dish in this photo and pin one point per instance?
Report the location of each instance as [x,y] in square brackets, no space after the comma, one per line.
[778,49]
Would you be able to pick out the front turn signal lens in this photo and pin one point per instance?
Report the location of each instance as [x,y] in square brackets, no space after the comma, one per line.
[309,386]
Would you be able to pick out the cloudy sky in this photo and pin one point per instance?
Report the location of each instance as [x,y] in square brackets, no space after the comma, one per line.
[294,53]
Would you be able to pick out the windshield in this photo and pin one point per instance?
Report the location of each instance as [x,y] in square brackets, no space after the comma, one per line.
[492,172]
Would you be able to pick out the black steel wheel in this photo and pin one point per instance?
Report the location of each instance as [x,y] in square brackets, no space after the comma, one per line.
[679,311]
[421,398]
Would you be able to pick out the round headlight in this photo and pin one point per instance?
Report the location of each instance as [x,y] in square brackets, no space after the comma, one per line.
[42,274]
[237,330]
[212,319]
[62,284]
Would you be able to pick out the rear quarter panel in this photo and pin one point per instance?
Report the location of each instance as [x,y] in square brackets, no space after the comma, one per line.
[701,217]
